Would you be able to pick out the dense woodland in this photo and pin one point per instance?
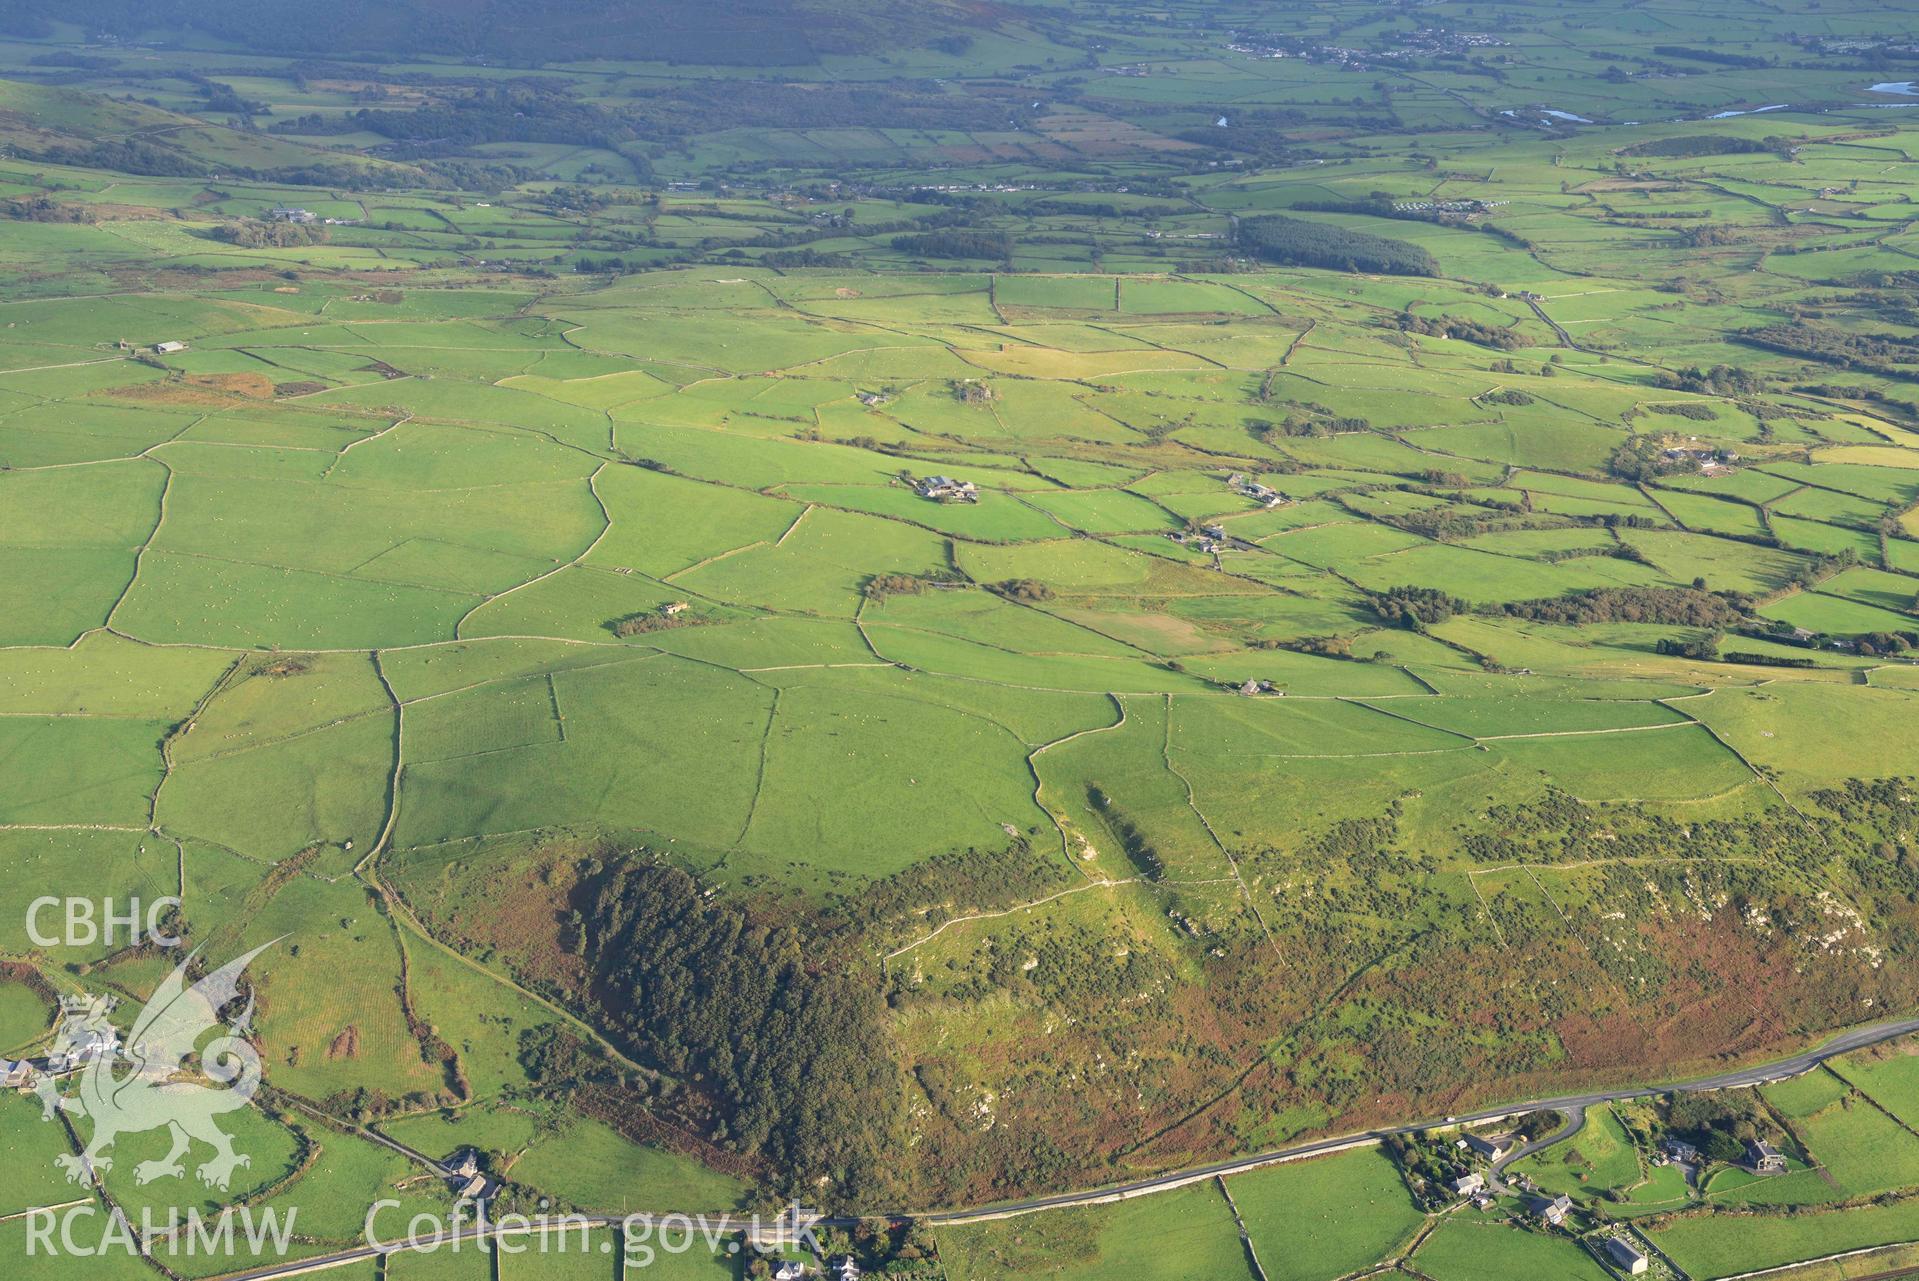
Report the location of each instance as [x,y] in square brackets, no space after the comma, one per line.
[1276,238]
[787,1041]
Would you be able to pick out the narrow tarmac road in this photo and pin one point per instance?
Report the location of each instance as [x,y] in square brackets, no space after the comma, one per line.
[1575,1122]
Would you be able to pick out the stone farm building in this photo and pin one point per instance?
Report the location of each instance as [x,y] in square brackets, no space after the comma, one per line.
[1764,1158]
[1626,1256]
[945,489]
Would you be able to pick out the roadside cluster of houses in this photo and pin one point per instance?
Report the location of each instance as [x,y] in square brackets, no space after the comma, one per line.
[1551,1209]
[1473,1184]
[1676,1152]
[1620,1250]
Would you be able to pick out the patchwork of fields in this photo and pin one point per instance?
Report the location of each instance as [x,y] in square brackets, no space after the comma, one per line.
[833,633]
[594,568]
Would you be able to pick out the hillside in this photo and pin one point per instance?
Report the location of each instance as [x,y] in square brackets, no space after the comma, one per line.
[740,33]
[73,127]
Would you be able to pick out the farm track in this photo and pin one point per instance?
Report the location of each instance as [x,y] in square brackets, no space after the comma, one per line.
[1245,1237]
[1010,911]
[759,776]
[166,753]
[1060,824]
[1575,1122]
[404,915]
[347,448]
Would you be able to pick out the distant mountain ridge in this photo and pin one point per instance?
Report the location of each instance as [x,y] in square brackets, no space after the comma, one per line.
[739,32]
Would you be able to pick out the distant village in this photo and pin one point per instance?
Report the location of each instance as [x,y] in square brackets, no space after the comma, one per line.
[1423,43]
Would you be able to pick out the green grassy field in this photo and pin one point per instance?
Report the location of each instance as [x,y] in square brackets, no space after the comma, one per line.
[1183,1234]
[586,1163]
[1465,1248]
[1717,1246]
[1325,1218]
[1891,1081]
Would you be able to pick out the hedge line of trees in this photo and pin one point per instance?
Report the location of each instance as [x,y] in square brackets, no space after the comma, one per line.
[1878,353]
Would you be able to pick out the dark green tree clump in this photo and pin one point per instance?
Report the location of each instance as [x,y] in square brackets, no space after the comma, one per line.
[1673,606]
[1294,242]
[992,246]
[1704,648]
[1879,353]
[1719,1124]
[44,208]
[254,234]
[1464,328]
[1416,606]
[1719,380]
[1024,589]
[788,1042]
[1698,144]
